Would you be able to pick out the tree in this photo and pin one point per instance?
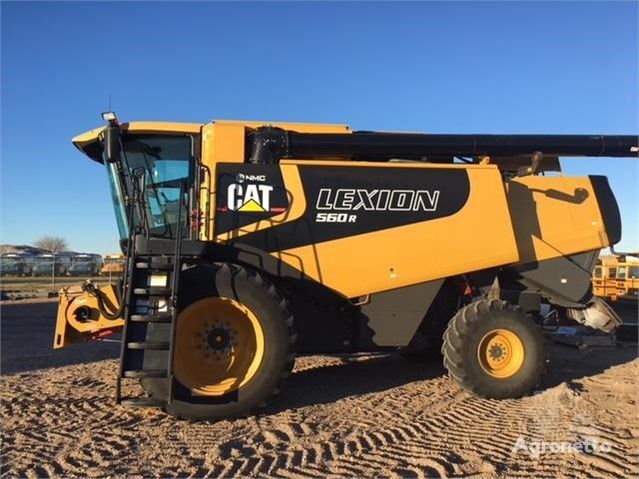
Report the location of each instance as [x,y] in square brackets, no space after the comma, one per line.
[52,244]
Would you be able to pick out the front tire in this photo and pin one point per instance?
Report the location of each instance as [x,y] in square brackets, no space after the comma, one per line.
[493,349]
[234,344]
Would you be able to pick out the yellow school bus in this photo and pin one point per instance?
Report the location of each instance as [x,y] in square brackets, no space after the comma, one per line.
[616,277]
[113,264]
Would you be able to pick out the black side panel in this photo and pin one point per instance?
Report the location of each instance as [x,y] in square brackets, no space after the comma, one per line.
[563,281]
[391,318]
[428,339]
[246,194]
[608,207]
[368,199]
[326,323]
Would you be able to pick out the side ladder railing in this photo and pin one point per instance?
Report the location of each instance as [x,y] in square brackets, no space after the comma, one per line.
[139,289]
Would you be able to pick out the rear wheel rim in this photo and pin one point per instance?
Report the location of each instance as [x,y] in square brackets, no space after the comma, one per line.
[501,353]
[219,346]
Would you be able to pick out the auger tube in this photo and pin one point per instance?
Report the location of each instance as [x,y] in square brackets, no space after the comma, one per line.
[270,144]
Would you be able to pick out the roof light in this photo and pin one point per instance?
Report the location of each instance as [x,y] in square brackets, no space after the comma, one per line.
[109,116]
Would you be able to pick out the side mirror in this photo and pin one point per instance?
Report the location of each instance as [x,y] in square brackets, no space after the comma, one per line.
[112,143]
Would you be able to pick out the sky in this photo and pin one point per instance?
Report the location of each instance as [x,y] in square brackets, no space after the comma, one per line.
[505,67]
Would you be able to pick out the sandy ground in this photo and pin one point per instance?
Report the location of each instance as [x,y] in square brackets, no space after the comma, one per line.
[359,415]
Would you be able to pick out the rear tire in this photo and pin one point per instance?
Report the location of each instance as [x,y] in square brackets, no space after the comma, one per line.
[204,284]
[493,349]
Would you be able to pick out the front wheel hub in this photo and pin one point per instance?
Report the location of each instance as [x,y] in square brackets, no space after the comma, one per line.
[218,339]
[219,346]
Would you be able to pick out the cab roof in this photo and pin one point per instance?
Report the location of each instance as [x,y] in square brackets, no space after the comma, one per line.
[89,144]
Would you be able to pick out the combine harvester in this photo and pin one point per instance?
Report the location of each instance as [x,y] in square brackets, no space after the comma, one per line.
[249,242]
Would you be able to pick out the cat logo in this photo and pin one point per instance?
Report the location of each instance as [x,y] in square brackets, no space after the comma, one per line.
[249,198]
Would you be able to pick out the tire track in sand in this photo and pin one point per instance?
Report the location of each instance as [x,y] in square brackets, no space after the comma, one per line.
[361,415]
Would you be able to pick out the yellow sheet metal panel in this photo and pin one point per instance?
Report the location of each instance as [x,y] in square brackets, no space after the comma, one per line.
[555,216]
[298,127]
[478,236]
[221,142]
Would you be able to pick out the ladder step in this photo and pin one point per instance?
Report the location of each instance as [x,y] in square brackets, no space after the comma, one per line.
[151,373]
[155,266]
[151,318]
[152,291]
[155,345]
[141,402]
[155,263]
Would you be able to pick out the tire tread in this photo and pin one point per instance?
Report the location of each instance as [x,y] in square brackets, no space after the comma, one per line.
[458,334]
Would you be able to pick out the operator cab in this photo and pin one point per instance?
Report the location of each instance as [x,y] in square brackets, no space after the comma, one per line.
[151,171]
[160,166]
